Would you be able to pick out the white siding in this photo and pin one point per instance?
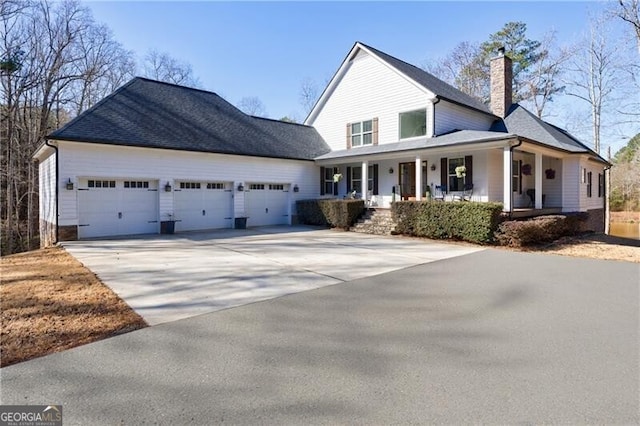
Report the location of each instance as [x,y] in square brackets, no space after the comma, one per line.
[47,185]
[593,202]
[552,188]
[494,175]
[369,89]
[570,184]
[93,160]
[450,117]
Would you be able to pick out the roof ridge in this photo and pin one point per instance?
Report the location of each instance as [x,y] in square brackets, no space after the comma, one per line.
[180,86]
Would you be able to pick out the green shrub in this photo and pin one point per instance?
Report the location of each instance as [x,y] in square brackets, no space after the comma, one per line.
[334,213]
[468,221]
[537,230]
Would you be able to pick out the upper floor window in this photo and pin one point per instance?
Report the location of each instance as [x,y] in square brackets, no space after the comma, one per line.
[362,133]
[413,123]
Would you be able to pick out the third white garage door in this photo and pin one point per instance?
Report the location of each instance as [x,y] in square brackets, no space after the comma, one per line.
[203,205]
[267,204]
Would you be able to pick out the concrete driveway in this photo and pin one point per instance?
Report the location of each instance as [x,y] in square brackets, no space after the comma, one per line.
[493,337]
[169,277]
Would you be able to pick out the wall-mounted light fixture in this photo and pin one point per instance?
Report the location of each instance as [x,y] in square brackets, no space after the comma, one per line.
[433,167]
[167,187]
[240,187]
[69,184]
[390,170]
[295,188]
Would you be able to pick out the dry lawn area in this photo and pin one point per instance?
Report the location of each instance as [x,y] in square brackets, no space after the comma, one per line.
[49,302]
[594,246]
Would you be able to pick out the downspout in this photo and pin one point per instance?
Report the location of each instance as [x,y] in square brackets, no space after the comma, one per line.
[607,206]
[511,161]
[434,101]
[55,148]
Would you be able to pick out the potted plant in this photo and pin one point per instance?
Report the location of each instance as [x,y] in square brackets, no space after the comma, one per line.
[550,173]
[461,171]
[337,177]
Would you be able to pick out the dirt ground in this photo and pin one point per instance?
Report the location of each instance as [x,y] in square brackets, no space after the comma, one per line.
[594,246]
[49,302]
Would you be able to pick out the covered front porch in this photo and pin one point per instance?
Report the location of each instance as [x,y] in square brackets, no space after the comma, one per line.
[526,180]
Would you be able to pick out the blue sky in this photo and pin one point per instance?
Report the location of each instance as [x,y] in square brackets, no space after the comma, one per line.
[266,49]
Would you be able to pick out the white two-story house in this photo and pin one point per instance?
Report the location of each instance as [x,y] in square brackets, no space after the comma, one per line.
[153,152]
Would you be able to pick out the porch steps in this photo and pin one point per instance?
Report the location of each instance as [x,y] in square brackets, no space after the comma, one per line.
[375,221]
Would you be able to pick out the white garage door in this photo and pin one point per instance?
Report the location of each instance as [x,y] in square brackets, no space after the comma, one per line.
[267,204]
[203,205]
[109,207]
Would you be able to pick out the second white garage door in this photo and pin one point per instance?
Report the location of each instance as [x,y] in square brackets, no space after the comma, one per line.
[267,204]
[203,205]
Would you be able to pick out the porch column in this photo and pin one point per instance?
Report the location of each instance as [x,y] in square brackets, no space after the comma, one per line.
[365,181]
[538,173]
[507,181]
[418,178]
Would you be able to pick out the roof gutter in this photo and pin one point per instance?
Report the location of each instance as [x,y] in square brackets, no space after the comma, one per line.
[55,148]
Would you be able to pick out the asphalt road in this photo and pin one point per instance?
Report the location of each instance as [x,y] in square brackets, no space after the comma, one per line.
[489,337]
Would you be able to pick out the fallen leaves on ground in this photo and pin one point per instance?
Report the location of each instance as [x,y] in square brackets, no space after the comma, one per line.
[49,302]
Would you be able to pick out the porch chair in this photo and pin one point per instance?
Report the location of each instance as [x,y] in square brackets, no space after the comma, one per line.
[439,193]
[531,192]
[468,192]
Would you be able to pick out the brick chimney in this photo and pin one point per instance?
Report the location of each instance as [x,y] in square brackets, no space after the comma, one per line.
[501,83]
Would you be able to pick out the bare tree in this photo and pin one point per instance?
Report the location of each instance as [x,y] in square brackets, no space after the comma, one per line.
[309,94]
[464,69]
[629,11]
[595,74]
[163,67]
[541,83]
[54,60]
[252,105]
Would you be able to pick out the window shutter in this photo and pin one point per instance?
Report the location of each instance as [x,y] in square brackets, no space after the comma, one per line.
[335,184]
[444,171]
[468,164]
[600,184]
[321,180]
[519,176]
[348,179]
[375,131]
[348,135]
[375,179]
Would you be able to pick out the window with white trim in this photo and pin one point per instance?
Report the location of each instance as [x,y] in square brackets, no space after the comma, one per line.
[455,183]
[515,175]
[362,133]
[413,123]
[101,184]
[356,179]
[215,185]
[131,184]
[328,179]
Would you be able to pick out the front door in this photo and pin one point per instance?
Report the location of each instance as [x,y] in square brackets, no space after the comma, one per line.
[407,182]
[407,178]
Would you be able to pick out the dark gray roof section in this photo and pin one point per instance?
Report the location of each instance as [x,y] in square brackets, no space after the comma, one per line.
[152,114]
[460,137]
[440,88]
[525,124]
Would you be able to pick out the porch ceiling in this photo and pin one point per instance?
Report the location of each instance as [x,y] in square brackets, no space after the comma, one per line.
[469,139]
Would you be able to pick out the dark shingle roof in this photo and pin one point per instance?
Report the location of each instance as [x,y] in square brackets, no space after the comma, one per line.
[153,114]
[438,87]
[525,124]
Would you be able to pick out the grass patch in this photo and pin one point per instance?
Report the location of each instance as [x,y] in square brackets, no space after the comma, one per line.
[50,302]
